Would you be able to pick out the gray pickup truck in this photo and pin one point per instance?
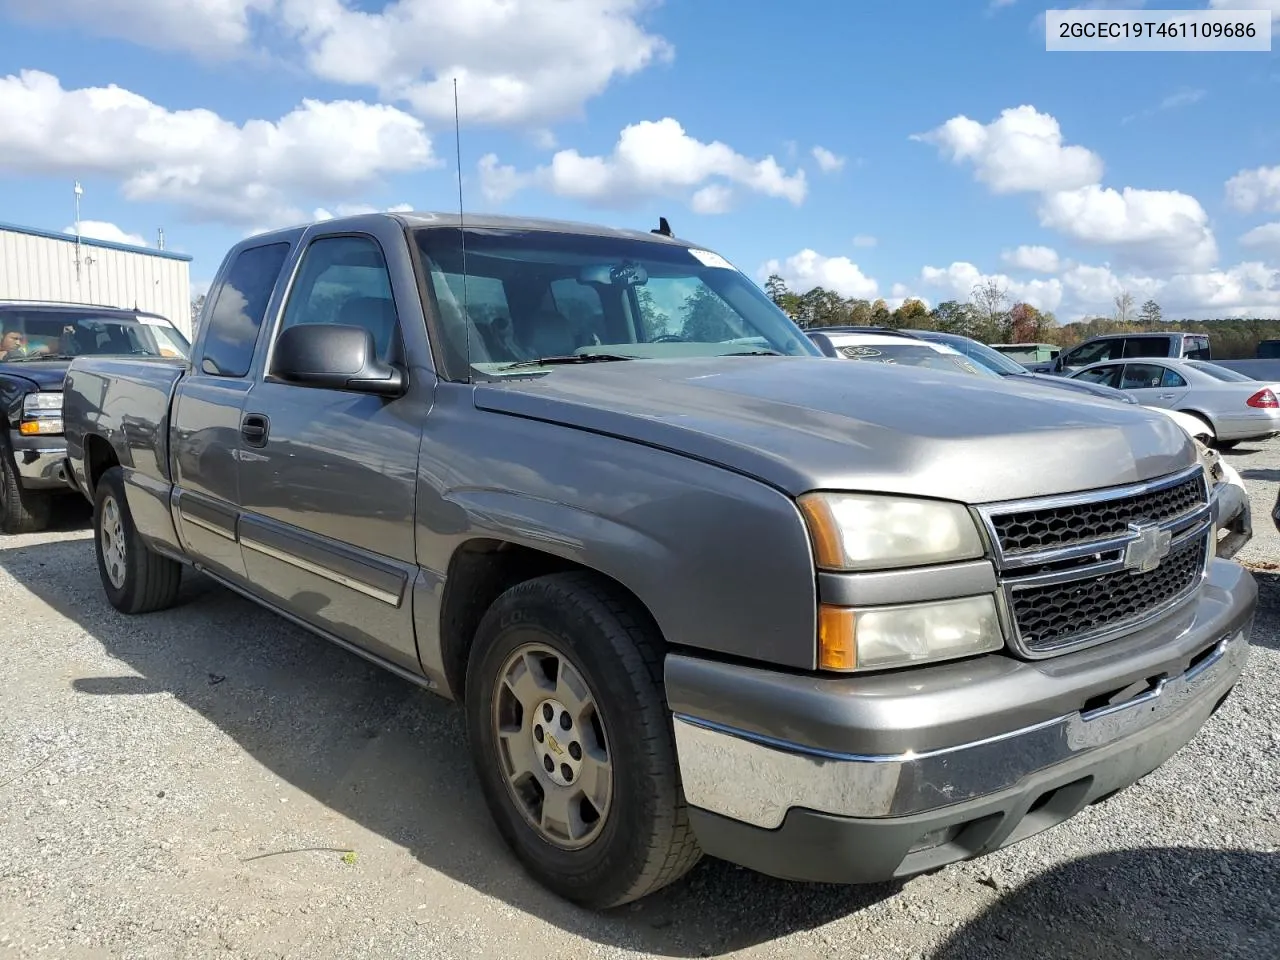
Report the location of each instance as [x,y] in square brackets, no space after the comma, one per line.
[698,588]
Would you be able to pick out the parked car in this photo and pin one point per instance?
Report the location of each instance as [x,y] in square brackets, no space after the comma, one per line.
[695,595]
[998,363]
[37,342]
[1232,511]
[893,347]
[1230,406]
[1175,346]
[1025,353]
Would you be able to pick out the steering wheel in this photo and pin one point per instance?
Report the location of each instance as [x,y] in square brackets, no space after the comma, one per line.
[669,338]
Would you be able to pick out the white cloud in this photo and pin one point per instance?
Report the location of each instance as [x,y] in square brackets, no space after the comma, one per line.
[102,230]
[1038,259]
[1156,228]
[516,61]
[1265,238]
[828,162]
[207,28]
[713,198]
[959,279]
[808,269]
[1257,189]
[1246,289]
[1021,150]
[650,159]
[208,166]
[865,240]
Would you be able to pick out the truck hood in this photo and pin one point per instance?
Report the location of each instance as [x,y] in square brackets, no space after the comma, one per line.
[45,374]
[801,423]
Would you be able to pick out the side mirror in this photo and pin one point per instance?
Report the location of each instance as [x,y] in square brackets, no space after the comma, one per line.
[335,357]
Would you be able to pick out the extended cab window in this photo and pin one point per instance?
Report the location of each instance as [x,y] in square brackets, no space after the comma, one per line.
[344,280]
[1197,348]
[239,308]
[1147,347]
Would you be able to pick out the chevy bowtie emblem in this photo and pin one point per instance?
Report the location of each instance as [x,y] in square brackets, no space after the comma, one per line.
[1148,547]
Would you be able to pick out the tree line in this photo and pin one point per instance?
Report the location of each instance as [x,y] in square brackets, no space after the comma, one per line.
[992,316]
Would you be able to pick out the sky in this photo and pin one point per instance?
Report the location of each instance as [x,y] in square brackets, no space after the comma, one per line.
[877,148]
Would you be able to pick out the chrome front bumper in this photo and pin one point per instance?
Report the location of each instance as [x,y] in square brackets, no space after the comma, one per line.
[41,468]
[758,780]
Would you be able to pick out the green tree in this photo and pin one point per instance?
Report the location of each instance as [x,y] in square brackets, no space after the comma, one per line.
[776,288]
[910,313]
[880,315]
[1150,313]
[951,316]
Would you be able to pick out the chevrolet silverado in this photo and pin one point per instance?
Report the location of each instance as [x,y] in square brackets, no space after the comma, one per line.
[697,588]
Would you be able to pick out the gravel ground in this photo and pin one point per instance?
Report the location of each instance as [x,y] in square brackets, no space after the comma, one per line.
[210,781]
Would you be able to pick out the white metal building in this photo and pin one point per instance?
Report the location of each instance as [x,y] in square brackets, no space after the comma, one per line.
[43,265]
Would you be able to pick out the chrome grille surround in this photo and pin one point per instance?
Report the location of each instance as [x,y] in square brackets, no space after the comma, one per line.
[1178,504]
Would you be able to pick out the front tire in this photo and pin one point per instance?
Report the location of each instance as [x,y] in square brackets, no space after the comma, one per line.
[571,737]
[136,578]
[21,510]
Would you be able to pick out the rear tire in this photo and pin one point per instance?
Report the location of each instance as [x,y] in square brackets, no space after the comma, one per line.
[135,577]
[570,656]
[21,510]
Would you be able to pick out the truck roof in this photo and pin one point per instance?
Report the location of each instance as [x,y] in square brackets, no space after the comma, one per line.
[431,218]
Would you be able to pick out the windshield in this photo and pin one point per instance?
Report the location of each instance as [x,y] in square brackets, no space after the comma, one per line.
[1217,372]
[533,294]
[912,355]
[980,353]
[52,334]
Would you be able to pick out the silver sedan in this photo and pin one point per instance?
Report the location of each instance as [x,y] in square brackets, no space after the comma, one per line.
[1233,406]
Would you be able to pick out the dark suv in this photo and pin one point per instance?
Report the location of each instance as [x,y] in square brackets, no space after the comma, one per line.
[37,343]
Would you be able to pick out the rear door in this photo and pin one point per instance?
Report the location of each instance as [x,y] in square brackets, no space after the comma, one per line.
[205,434]
[1154,384]
[328,478]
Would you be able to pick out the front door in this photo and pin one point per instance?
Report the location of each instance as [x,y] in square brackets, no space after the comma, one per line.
[1154,384]
[207,410]
[328,478]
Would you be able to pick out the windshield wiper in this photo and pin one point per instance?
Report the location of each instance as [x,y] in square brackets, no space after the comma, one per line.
[40,356]
[754,353]
[568,358]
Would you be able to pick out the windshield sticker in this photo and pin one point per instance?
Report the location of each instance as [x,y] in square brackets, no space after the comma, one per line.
[857,352]
[709,259]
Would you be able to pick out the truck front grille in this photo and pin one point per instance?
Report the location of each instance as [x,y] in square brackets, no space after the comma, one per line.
[1040,529]
[1085,568]
[1053,616]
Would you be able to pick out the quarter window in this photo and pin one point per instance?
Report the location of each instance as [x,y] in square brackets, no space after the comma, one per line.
[344,280]
[1172,378]
[238,310]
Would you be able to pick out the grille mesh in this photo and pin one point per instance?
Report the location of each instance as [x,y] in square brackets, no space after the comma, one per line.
[1044,529]
[1052,615]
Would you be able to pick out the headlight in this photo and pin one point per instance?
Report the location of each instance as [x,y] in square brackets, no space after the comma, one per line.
[42,404]
[41,414]
[877,638]
[854,531]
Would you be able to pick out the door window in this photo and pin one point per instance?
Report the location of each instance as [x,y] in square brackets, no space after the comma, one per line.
[1172,378]
[344,280]
[1141,376]
[238,309]
[1093,352]
[1106,376]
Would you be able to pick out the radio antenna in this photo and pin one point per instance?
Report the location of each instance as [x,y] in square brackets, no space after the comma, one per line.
[462,226]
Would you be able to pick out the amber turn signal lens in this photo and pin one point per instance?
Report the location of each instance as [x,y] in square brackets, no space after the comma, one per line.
[837,649]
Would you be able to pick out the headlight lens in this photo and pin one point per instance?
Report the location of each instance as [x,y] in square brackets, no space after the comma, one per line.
[42,404]
[854,531]
[879,638]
